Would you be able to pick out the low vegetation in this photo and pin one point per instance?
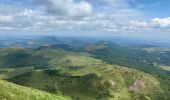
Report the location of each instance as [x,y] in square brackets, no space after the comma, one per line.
[10,91]
[101,71]
[83,77]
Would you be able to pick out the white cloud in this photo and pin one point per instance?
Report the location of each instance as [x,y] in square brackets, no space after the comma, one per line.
[68,8]
[6,19]
[68,15]
[164,23]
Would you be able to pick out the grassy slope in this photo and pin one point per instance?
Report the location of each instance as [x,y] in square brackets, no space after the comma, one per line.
[93,79]
[123,78]
[64,58]
[20,57]
[141,57]
[10,91]
[166,68]
[6,73]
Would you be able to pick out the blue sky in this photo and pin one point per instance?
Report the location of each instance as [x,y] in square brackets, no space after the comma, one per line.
[86,17]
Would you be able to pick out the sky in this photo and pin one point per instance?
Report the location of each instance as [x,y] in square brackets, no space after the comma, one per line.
[135,18]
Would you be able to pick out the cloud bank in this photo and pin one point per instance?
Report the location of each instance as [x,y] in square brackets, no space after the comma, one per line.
[65,8]
[98,16]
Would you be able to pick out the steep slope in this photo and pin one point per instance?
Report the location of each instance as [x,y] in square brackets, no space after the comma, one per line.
[124,83]
[10,91]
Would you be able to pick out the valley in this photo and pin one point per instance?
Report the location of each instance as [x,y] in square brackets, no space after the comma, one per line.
[71,70]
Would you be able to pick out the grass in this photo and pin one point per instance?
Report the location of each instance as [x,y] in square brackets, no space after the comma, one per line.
[82,77]
[6,73]
[10,91]
[154,49]
[61,58]
[18,57]
[167,68]
[92,83]
[123,79]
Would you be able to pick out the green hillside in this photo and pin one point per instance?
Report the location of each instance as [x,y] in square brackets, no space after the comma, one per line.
[95,82]
[10,91]
[83,77]
[77,75]
[21,57]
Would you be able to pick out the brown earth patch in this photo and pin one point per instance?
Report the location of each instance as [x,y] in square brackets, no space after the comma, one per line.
[137,86]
